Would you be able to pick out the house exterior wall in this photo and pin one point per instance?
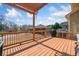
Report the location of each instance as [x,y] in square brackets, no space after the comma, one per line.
[74,6]
[73,20]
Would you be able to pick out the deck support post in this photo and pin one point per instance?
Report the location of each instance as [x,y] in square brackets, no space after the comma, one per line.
[33,26]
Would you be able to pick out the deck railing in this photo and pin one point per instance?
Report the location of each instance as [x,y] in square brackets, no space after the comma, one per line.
[13,38]
[10,38]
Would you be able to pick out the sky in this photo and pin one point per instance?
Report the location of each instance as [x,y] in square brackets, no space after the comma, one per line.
[49,14]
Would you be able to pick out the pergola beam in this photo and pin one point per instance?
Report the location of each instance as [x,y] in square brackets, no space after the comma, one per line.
[40,7]
[19,6]
[14,5]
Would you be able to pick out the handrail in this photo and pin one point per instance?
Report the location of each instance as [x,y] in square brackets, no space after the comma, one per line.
[22,32]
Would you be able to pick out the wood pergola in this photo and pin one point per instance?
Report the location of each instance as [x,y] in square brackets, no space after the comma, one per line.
[32,8]
[19,45]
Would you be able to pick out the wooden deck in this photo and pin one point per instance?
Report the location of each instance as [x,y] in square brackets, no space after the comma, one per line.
[46,47]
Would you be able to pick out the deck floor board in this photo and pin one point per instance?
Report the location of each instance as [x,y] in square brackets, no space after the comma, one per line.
[51,47]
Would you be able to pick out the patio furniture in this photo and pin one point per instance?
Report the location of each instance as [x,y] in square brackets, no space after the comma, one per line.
[1,48]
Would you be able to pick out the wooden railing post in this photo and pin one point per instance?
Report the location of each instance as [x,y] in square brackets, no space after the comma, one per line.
[62,34]
[45,33]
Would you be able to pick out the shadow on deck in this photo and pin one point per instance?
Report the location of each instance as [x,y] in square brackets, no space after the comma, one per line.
[43,47]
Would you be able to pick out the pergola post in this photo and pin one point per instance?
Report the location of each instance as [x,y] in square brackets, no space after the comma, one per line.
[33,26]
